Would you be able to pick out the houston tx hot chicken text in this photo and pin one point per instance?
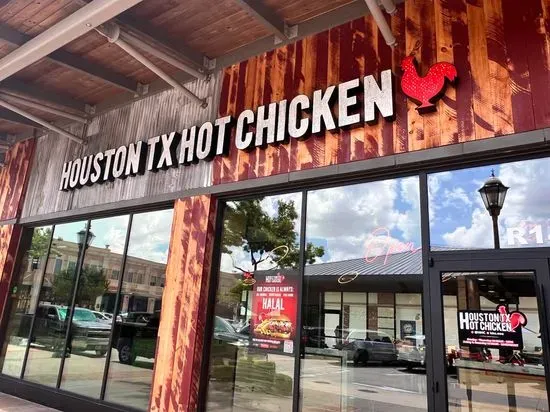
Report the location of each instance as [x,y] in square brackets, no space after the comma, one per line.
[270,124]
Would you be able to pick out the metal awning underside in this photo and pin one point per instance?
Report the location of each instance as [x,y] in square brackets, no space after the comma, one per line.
[91,75]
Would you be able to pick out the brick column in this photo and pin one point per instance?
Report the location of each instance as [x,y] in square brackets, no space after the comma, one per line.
[184,303]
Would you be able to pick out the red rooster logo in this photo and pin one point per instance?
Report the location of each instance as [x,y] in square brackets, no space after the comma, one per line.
[424,89]
[516,318]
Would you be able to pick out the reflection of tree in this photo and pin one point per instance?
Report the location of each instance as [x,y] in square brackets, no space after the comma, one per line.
[248,226]
[93,283]
[40,242]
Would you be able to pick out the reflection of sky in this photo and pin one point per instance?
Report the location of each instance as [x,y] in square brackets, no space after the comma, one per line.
[354,221]
[459,219]
[149,238]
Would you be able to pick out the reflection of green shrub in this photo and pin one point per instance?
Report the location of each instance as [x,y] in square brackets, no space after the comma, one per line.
[283,384]
[223,373]
[258,372]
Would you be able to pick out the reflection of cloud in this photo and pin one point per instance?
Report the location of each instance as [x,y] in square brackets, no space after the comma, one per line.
[150,235]
[526,201]
[346,216]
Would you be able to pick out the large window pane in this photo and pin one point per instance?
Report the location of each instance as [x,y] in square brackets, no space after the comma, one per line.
[460,220]
[253,348]
[50,325]
[362,321]
[493,342]
[24,298]
[136,328]
[91,323]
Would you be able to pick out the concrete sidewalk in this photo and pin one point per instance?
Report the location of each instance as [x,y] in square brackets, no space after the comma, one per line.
[10,403]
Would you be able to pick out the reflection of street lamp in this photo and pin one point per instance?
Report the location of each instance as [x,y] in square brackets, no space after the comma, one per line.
[493,194]
[81,238]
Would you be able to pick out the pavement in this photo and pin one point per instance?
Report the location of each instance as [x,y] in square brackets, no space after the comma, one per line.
[10,403]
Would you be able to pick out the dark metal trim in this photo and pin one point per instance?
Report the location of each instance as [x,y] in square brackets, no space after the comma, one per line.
[299,309]
[431,316]
[71,308]
[31,328]
[57,398]
[115,312]
[211,306]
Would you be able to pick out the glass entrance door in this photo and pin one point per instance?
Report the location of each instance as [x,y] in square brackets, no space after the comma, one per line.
[491,352]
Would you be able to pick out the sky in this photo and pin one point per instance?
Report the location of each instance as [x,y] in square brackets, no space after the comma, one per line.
[149,237]
[376,218]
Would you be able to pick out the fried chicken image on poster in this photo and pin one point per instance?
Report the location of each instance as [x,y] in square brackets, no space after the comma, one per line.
[274,304]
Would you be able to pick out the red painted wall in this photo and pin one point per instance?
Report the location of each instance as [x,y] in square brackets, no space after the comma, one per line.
[13,180]
[501,49]
[184,302]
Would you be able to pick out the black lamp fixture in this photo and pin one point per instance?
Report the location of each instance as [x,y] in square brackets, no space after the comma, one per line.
[493,194]
[81,238]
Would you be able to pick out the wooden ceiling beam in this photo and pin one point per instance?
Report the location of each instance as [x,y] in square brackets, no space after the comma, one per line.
[72,61]
[35,92]
[267,17]
[151,34]
[12,117]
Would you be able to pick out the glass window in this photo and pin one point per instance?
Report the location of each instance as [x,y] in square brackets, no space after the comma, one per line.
[460,220]
[136,327]
[89,336]
[362,253]
[24,298]
[254,338]
[493,346]
[47,343]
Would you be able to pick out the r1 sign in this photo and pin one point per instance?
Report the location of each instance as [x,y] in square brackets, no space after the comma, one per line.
[528,234]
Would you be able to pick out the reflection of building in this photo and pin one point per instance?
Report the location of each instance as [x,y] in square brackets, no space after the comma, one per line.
[143,280]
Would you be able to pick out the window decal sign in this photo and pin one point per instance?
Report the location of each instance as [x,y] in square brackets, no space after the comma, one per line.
[274,306]
[491,329]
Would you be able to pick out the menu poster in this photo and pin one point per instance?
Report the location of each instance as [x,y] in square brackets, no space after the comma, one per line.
[274,306]
[497,329]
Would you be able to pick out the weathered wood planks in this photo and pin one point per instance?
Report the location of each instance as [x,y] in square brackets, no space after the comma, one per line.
[501,50]
[180,337]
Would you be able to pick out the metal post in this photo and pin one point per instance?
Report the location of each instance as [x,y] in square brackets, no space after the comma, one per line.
[44,108]
[381,22]
[496,237]
[72,27]
[162,55]
[116,311]
[40,121]
[112,33]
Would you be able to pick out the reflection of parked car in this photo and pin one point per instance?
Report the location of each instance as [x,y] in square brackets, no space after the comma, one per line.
[87,333]
[412,351]
[363,346]
[138,317]
[314,337]
[136,336]
[133,339]
[103,317]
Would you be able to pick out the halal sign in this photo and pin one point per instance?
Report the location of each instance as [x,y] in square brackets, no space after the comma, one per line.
[491,329]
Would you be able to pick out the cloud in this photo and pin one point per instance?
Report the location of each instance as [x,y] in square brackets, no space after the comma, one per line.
[150,235]
[526,205]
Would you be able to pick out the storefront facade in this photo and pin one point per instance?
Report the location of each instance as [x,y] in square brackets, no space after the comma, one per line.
[308,241]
